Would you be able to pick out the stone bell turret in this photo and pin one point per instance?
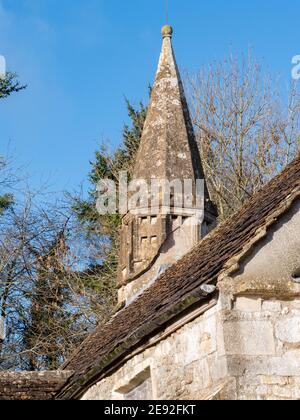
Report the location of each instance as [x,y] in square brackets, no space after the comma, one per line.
[150,242]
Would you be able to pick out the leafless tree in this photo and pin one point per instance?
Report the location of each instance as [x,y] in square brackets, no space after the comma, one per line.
[245,131]
[51,291]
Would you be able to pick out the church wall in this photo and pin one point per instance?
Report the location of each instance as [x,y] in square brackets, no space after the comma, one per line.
[246,347]
[186,365]
[262,344]
[262,320]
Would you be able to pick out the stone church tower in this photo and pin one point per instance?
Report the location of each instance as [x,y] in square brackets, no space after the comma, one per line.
[151,241]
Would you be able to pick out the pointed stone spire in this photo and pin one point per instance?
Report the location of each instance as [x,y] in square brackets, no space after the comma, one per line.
[168,152]
[168,147]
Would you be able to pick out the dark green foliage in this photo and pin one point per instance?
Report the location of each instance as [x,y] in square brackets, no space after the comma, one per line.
[49,317]
[9,85]
[6,201]
[107,166]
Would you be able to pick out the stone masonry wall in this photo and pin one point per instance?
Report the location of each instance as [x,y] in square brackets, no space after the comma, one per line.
[245,348]
[262,344]
[31,385]
[186,365]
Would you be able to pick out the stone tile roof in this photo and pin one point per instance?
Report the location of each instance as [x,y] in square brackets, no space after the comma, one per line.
[180,286]
[31,385]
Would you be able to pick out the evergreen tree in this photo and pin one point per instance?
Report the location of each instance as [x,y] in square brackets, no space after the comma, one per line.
[49,313]
[8,85]
[6,201]
[107,166]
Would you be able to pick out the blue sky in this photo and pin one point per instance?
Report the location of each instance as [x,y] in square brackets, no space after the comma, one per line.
[81,57]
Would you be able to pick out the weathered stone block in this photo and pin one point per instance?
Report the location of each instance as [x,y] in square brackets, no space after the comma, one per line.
[284,392]
[249,338]
[274,380]
[286,365]
[198,341]
[245,304]
[201,374]
[271,306]
[295,304]
[288,330]
[217,367]
[262,391]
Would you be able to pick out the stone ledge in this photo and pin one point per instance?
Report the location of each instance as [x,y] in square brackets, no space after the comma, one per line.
[31,385]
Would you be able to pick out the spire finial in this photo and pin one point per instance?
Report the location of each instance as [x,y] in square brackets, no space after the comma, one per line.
[167,31]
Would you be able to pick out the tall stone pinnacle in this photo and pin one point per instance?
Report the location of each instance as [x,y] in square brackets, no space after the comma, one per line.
[168,151]
[168,148]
